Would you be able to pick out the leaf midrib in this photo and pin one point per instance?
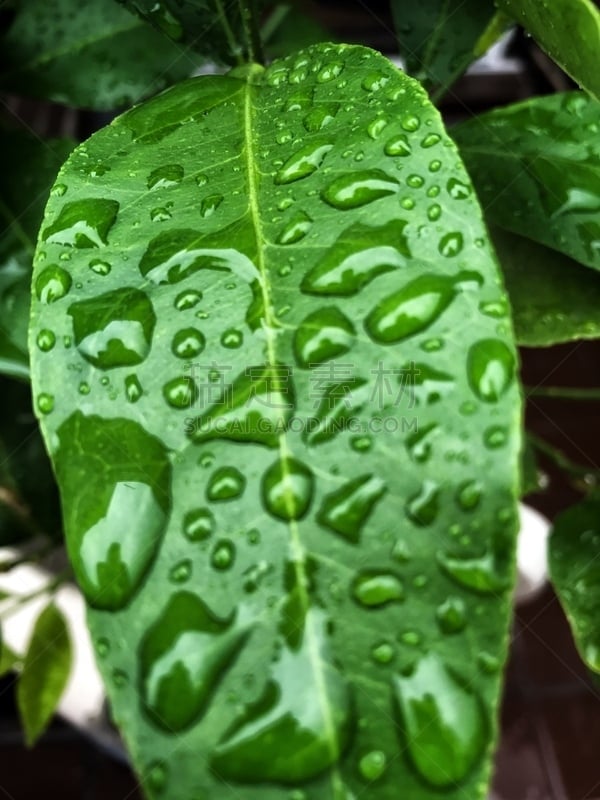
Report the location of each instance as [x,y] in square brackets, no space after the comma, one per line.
[296,542]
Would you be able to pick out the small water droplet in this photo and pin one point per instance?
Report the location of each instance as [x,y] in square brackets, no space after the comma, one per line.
[52,284]
[223,555]
[490,369]
[304,162]
[226,483]
[181,392]
[372,765]
[232,338]
[46,340]
[167,175]
[376,127]
[376,589]
[398,146]
[383,653]
[133,388]
[451,615]
[451,244]
[410,123]
[469,495]
[181,572]
[329,72]
[320,116]
[359,188]
[187,343]
[187,299]
[210,204]
[287,488]
[423,507]
[346,510]
[45,403]
[295,229]
[100,267]
[198,524]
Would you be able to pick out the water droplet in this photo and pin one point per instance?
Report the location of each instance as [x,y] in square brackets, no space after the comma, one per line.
[346,510]
[490,369]
[457,189]
[451,244]
[45,403]
[100,267]
[383,653]
[434,212]
[156,776]
[133,388]
[183,658]
[376,589]
[103,647]
[187,299]
[320,116]
[223,555]
[287,488]
[469,495]
[201,179]
[232,339]
[423,507]
[160,214]
[58,190]
[198,524]
[84,388]
[374,81]
[355,260]
[187,343]
[168,175]
[289,736]
[210,204]
[83,223]
[415,181]
[304,162]
[111,558]
[420,442]
[443,722]
[361,444]
[398,146]
[451,615]
[372,765]
[359,188]
[52,284]
[329,72]
[114,329]
[376,127]
[181,392]
[46,340]
[181,572]
[323,335]
[296,229]
[495,436]
[480,574]
[494,308]
[430,140]
[226,483]
[488,663]
[410,310]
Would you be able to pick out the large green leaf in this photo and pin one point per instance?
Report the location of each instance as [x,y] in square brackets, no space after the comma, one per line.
[28,167]
[438,38]
[212,27]
[568,30]
[95,56]
[553,298]
[45,672]
[536,167]
[286,438]
[575,572]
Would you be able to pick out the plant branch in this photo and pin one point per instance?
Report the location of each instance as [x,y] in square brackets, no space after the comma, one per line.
[251,26]
[560,459]
[563,392]
[224,22]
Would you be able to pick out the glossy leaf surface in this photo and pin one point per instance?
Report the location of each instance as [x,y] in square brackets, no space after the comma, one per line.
[568,30]
[45,672]
[575,573]
[536,168]
[29,167]
[104,58]
[285,433]
[438,38]
[553,299]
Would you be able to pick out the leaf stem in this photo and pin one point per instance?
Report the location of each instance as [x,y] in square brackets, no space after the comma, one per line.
[563,392]
[231,40]
[251,26]
[560,459]
[276,19]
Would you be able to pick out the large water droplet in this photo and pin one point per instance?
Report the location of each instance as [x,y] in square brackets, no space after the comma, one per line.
[115,519]
[52,284]
[287,488]
[83,223]
[181,392]
[361,253]
[167,175]
[376,589]
[372,765]
[226,483]
[296,229]
[410,310]
[480,574]
[323,335]
[114,329]
[183,658]
[320,116]
[359,188]
[347,509]
[304,162]
[291,734]
[443,722]
[490,369]
[187,343]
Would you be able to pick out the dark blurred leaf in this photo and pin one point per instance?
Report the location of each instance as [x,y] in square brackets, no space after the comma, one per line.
[28,167]
[553,298]
[530,473]
[45,673]
[8,659]
[92,54]
[293,30]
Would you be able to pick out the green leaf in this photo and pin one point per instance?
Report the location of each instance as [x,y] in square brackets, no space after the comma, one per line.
[45,673]
[439,38]
[289,488]
[8,659]
[553,299]
[575,573]
[568,30]
[212,27]
[104,58]
[536,168]
[28,167]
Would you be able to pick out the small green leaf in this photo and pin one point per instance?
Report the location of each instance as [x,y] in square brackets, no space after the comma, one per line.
[45,673]
[439,38]
[104,58]
[28,167]
[575,573]
[568,30]
[553,299]
[9,660]
[536,168]
[289,485]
